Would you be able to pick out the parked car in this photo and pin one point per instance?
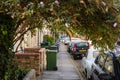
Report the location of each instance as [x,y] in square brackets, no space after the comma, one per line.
[79,49]
[88,61]
[75,39]
[66,40]
[117,47]
[72,40]
[106,66]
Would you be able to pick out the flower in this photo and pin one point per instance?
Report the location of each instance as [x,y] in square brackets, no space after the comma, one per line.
[103,3]
[115,24]
[42,4]
[57,2]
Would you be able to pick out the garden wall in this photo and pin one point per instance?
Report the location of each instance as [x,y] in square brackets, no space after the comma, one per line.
[32,58]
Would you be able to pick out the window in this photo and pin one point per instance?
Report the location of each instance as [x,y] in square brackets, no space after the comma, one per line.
[101,61]
[109,65]
[82,44]
[72,44]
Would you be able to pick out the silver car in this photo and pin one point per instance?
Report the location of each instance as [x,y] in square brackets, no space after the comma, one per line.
[88,61]
[106,67]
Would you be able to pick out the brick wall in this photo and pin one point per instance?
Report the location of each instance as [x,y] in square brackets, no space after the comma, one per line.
[32,58]
[29,61]
[32,50]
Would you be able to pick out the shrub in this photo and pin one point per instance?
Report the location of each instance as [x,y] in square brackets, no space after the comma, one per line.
[49,39]
[21,73]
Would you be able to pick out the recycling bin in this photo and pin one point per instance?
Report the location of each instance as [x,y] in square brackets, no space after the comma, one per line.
[46,44]
[51,59]
[54,47]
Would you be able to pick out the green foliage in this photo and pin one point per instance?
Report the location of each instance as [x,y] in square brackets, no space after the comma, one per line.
[46,47]
[21,73]
[8,67]
[10,71]
[96,21]
[91,18]
[86,17]
[49,39]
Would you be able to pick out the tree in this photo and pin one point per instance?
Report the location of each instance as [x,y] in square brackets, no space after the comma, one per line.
[97,19]
[7,64]
[15,21]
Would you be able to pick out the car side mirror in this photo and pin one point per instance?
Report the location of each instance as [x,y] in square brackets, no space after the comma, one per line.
[95,53]
[105,76]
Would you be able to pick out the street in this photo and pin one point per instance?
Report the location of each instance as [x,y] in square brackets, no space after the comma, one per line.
[68,68]
[78,63]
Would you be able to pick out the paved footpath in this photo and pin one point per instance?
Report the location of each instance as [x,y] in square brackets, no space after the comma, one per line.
[66,68]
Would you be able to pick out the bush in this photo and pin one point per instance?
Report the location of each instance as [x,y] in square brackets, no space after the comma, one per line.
[49,39]
[21,73]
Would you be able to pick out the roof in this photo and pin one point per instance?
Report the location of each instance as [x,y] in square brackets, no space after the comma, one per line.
[113,54]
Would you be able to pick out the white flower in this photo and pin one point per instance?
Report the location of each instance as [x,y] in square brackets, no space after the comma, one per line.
[42,4]
[115,24]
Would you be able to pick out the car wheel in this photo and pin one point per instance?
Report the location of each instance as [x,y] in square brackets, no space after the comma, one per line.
[80,57]
[74,57]
[86,54]
[69,50]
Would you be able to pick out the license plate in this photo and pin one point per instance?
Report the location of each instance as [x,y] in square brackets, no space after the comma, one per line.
[82,50]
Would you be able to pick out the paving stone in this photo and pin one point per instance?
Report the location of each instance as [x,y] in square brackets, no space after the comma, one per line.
[66,68]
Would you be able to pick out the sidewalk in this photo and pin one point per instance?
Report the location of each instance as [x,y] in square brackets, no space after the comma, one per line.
[66,68]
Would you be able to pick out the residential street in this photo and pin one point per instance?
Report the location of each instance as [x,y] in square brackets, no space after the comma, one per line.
[30,31]
[67,69]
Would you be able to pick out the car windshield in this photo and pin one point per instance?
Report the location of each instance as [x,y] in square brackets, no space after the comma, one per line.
[81,44]
[67,39]
[75,39]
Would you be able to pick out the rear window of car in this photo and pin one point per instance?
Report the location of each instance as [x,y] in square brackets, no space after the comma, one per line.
[75,39]
[68,39]
[81,44]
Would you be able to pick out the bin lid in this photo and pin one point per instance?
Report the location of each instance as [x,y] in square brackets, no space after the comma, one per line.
[51,50]
[53,46]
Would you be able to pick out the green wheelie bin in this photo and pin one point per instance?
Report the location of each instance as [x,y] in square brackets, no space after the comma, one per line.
[51,59]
